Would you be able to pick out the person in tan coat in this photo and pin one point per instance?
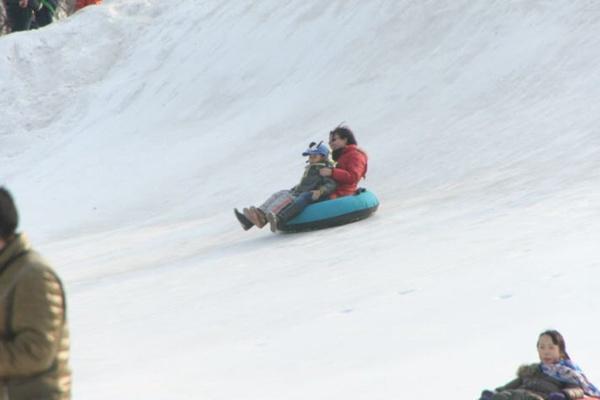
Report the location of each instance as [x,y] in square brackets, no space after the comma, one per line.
[34,338]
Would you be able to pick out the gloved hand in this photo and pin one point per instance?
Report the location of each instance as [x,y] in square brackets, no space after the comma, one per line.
[487,395]
[557,396]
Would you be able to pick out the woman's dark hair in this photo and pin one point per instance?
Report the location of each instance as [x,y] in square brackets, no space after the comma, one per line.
[343,132]
[558,340]
[9,218]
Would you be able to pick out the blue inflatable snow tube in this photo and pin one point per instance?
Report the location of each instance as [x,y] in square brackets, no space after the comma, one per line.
[329,213]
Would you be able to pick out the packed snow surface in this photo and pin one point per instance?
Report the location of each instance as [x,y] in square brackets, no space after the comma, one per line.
[130,131]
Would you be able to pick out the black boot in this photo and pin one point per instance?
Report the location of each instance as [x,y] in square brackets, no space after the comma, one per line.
[245,222]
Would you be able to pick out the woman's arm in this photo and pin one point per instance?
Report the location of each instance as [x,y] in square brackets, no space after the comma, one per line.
[354,170]
[327,187]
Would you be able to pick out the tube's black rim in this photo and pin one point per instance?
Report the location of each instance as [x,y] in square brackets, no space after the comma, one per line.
[330,222]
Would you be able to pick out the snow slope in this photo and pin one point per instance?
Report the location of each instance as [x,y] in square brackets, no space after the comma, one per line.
[131,130]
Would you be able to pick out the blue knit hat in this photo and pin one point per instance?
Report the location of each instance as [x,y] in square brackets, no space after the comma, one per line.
[320,149]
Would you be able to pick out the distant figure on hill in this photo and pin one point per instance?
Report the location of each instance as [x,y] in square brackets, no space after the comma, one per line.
[555,377]
[351,162]
[34,338]
[23,15]
[286,204]
[83,3]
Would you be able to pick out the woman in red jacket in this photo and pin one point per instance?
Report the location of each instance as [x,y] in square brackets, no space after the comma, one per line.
[351,162]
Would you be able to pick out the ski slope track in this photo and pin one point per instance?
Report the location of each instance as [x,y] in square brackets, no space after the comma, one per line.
[130,131]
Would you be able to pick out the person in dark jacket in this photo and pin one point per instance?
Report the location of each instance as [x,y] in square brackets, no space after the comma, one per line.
[45,15]
[351,162]
[555,377]
[286,204]
[26,14]
[34,337]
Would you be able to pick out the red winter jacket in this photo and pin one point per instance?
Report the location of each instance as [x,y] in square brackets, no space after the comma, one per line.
[82,3]
[351,167]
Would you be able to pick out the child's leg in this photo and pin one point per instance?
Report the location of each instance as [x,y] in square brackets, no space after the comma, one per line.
[277,202]
[295,207]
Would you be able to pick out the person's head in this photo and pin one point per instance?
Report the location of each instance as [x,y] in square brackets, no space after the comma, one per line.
[9,218]
[551,347]
[340,137]
[317,152]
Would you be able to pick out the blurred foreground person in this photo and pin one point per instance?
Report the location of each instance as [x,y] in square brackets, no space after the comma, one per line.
[26,14]
[34,338]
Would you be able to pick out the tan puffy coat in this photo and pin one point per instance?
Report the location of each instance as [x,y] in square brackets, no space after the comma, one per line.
[34,338]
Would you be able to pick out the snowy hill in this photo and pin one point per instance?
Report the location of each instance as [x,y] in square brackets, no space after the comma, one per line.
[131,130]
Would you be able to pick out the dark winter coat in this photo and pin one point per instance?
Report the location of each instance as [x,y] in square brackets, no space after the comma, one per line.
[32,4]
[532,382]
[34,338]
[312,180]
[21,19]
[351,167]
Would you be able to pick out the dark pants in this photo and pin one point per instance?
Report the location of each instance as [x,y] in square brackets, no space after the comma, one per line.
[300,202]
[44,16]
[21,19]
